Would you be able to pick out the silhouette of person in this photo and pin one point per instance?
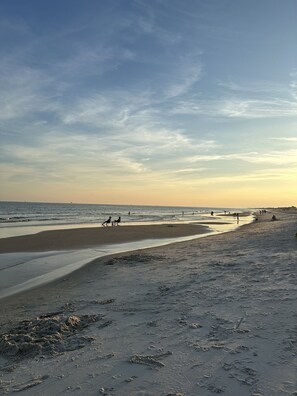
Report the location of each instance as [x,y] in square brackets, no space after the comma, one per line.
[106,222]
[117,222]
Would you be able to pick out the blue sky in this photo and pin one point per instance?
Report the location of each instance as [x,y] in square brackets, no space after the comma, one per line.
[149,102]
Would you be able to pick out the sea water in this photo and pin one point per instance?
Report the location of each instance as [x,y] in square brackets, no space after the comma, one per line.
[21,218]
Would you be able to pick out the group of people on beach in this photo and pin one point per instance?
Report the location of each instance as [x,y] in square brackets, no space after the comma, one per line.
[264,211]
[112,222]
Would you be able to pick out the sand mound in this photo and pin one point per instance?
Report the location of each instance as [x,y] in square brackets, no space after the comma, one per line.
[48,335]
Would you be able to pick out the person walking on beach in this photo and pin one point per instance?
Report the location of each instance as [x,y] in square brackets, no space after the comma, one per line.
[106,222]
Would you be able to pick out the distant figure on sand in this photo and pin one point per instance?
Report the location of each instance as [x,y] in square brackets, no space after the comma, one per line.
[116,222]
[106,222]
[273,218]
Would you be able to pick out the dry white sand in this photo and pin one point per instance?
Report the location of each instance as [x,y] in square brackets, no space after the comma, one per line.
[215,315]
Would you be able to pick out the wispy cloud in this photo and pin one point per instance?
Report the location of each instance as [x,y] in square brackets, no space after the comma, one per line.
[247,178]
[293,84]
[258,99]
[23,92]
[285,139]
[90,61]
[183,81]
[273,157]
[87,111]
[267,88]
[248,108]
[268,101]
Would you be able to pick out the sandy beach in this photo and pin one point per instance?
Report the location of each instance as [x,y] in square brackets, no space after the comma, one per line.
[215,315]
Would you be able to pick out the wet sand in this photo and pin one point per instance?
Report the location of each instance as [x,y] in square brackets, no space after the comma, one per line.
[80,238]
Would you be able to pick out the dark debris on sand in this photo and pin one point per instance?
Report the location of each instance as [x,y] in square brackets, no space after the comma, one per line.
[134,259]
[48,334]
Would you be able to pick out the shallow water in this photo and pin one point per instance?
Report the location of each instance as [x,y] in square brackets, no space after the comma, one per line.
[22,271]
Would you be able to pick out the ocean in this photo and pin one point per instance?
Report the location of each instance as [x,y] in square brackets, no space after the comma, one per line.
[20,218]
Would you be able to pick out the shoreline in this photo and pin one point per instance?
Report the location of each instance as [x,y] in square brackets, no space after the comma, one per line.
[33,260]
[210,315]
[29,228]
[82,238]
[186,230]
[87,237]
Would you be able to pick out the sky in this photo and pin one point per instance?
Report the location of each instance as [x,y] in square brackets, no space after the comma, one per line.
[152,102]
